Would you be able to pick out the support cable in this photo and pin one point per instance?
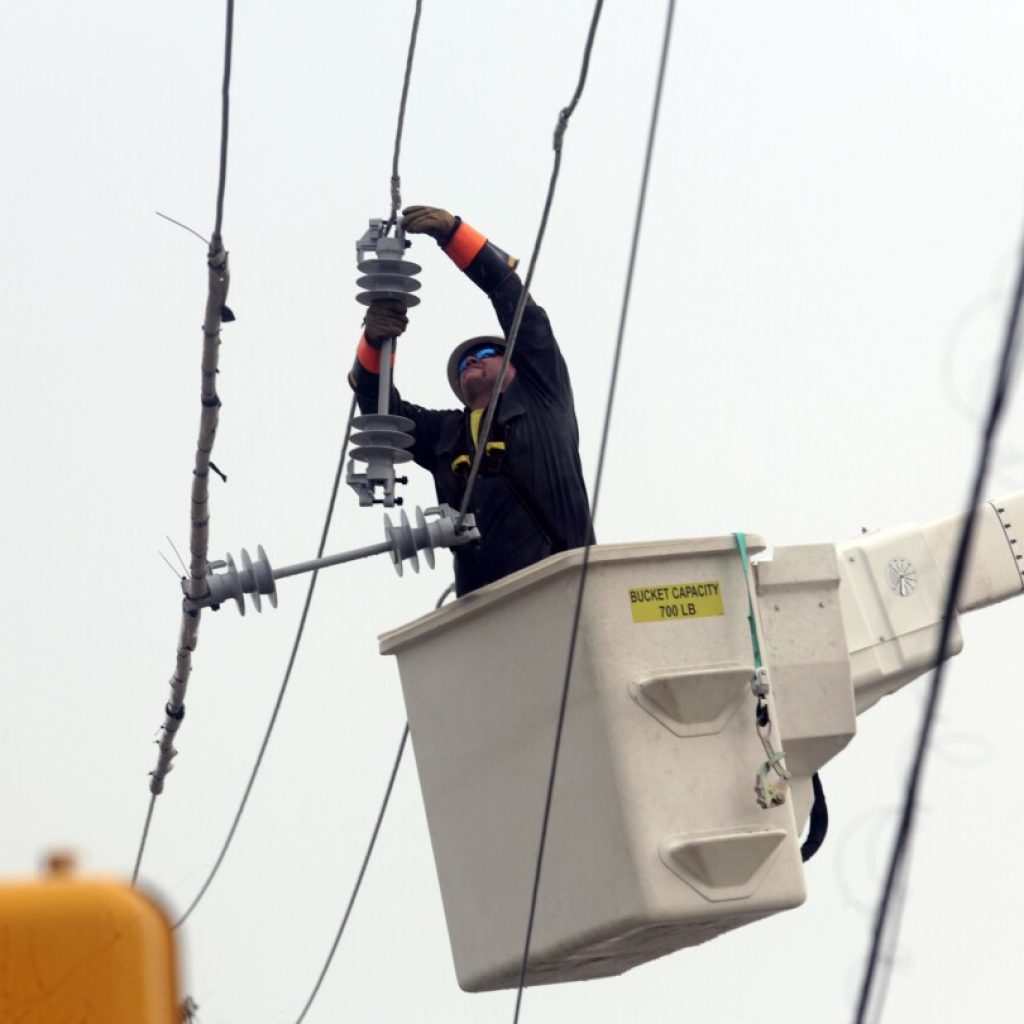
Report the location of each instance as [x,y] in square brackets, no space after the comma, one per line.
[901,844]
[450,589]
[287,675]
[395,204]
[396,181]
[359,877]
[616,361]
[510,342]
[145,835]
[216,313]
[225,105]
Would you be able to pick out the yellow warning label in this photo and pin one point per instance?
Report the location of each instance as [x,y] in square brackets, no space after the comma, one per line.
[674,601]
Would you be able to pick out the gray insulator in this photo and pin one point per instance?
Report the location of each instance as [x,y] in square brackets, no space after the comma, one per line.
[394,282]
[404,267]
[387,438]
[247,568]
[372,452]
[421,524]
[406,540]
[381,443]
[256,578]
[383,421]
[376,282]
[402,543]
[226,586]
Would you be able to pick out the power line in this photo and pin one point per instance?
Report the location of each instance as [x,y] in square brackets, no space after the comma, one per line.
[517,318]
[524,295]
[359,877]
[901,843]
[218,279]
[395,200]
[225,103]
[369,849]
[287,675]
[616,361]
[396,181]
[142,841]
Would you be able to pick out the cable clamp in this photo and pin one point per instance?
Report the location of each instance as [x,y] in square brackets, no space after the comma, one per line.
[563,122]
[759,682]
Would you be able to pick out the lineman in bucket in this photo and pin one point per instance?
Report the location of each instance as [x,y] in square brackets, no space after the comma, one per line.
[529,498]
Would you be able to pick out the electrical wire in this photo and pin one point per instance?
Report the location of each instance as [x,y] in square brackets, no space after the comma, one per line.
[616,362]
[524,295]
[218,279]
[225,105]
[287,674]
[901,843]
[396,202]
[891,941]
[359,877]
[450,589]
[396,181]
[142,841]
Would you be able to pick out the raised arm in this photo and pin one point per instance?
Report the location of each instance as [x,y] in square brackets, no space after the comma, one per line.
[537,357]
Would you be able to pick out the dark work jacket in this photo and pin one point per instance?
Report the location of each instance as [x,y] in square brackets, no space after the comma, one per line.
[536,420]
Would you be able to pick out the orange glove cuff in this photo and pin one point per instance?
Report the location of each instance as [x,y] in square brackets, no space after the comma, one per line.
[368,357]
[464,245]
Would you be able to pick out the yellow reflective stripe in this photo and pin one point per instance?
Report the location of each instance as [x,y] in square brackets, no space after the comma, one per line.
[465,460]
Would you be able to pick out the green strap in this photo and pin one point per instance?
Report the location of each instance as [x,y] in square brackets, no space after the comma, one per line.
[741,543]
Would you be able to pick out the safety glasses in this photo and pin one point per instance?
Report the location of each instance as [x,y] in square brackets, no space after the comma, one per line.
[484,352]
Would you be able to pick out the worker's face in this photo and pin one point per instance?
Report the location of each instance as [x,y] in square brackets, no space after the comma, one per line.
[479,375]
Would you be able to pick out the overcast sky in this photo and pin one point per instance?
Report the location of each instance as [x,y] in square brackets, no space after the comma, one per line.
[835,211]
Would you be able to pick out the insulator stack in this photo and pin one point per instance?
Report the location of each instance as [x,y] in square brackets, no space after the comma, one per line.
[388,278]
[383,439]
[381,443]
[255,578]
[406,540]
[445,529]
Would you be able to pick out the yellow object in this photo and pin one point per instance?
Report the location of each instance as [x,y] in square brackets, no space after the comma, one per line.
[84,951]
[672,602]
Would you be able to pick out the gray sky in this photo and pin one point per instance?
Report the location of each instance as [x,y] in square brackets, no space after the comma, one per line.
[833,217]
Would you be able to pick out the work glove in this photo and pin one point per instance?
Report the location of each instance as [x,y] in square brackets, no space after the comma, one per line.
[429,220]
[385,318]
